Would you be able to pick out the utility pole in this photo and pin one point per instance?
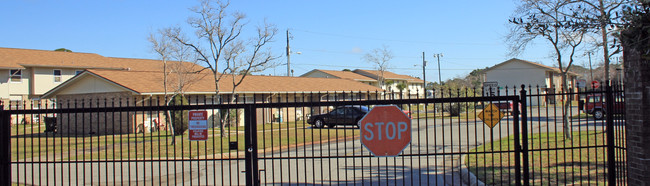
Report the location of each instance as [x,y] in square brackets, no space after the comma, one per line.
[590,69]
[288,55]
[424,74]
[439,74]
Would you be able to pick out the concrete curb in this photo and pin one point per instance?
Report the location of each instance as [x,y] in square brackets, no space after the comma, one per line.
[467,177]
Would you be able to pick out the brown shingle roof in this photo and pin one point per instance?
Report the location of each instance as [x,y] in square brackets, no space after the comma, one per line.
[12,58]
[390,75]
[347,75]
[148,82]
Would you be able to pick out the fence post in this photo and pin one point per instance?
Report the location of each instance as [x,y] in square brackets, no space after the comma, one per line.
[524,132]
[5,147]
[609,112]
[252,168]
[517,143]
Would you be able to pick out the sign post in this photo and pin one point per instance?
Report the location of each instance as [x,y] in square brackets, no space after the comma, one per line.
[385,130]
[198,125]
[489,88]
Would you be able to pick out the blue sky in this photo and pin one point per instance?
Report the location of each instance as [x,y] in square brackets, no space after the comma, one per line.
[331,35]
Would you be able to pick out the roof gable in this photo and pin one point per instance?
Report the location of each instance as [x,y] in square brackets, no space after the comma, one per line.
[529,63]
[86,82]
[340,74]
[387,75]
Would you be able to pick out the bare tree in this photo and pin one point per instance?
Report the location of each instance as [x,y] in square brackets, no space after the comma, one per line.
[179,70]
[547,20]
[380,58]
[219,47]
[161,45]
[241,61]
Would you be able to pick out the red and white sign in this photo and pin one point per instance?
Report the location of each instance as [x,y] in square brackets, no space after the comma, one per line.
[198,125]
[385,130]
[595,84]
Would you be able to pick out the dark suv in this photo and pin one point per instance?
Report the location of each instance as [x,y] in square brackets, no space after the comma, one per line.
[346,115]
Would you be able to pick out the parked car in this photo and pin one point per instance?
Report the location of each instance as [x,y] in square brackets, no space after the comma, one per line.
[596,106]
[346,115]
[407,112]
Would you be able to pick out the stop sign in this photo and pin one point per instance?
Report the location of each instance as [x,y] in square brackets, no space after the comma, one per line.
[385,130]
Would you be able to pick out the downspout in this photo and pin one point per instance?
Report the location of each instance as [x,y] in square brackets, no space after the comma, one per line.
[32,86]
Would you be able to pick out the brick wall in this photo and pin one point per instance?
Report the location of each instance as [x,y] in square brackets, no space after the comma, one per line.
[637,107]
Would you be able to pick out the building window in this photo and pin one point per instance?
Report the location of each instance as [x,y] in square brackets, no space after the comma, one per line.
[57,75]
[16,102]
[78,72]
[16,76]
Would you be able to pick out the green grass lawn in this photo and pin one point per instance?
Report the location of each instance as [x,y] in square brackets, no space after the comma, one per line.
[558,166]
[28,143]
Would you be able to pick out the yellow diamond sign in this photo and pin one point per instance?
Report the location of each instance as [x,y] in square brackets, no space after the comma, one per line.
[491,115]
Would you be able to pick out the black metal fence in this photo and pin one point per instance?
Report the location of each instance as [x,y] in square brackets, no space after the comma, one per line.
[544,138]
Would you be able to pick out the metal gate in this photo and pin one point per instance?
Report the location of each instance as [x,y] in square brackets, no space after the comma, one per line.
[268,139]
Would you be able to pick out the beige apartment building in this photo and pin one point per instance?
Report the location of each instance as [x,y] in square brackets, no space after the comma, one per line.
[414,86]
[26,74]
[143,88]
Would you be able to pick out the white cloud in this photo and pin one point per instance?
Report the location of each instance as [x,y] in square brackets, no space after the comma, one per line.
[356,50]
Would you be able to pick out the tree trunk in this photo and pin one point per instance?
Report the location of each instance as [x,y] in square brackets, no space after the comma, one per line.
[605,52]
[170,122]
[167,101]
[566,98]
[603,32]
[216,92]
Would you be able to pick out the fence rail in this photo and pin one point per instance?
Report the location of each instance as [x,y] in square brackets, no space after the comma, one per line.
[273,139]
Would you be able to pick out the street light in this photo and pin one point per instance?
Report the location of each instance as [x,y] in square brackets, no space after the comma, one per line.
[289,70]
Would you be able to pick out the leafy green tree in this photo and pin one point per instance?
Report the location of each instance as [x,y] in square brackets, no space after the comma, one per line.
[636,34]
[475,78]
[401,86]
[62,50]
[454,88]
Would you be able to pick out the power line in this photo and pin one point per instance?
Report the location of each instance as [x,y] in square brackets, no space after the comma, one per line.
[414,56]
[400,68]
[366,67]
[393,40]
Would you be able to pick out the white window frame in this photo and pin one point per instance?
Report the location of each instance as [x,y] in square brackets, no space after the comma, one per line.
[57,76]
[11,76]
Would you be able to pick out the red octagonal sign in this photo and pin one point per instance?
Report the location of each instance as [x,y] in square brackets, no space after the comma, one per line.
[385,130]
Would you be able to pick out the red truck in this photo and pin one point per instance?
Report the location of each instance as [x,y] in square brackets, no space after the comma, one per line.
[506,107]
[596,106]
